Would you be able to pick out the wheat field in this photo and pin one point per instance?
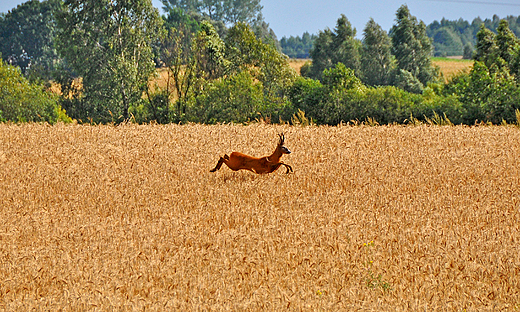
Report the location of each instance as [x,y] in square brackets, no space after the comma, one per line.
[387,218]
[448,67]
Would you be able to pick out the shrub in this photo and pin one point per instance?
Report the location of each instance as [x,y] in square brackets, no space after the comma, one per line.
[232,99]
[22,101]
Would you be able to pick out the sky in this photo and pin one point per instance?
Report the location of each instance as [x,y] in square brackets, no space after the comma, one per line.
[294,17]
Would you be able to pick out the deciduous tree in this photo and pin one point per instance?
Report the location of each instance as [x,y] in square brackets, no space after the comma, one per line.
[411,46]
[108,44]
[27,36]
[376,58]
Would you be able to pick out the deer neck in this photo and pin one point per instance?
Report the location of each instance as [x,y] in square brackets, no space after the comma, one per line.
[275,156]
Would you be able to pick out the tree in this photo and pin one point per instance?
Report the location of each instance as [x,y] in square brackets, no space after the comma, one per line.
[229,12]
[320,54]
[446,42]
[108,44]
[332,47]
[27,36]
[411,46]
[345,45]
[244,11]
[468,52]
[487,50]
[245,52]
[507,43]
[376,58]
[21,100]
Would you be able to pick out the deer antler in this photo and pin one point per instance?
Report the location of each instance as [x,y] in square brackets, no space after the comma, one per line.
[282,138]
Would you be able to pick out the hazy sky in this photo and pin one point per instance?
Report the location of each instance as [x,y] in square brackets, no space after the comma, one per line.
[294,17]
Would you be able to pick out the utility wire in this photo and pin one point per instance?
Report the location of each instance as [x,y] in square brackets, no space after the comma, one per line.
[479,2]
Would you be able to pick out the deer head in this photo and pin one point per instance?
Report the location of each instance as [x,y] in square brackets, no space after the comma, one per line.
[281,146]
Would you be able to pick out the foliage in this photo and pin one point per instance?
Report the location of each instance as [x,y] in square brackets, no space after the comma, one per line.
[296,47]
[447,43]
[321,54]
[376,58]
[411,47]
[236,98]
[245,52]
[229,12]
[27,37]
[332,47]
[490,92]
[487,95]
[108,44]
[21,100]
[212,77]
[467,54]
[451,37]
[215,74]
[342,97]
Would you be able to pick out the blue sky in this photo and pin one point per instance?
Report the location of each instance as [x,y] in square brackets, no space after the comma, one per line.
[294,17]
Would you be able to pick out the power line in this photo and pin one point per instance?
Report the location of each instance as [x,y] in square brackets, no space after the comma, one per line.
[479,2]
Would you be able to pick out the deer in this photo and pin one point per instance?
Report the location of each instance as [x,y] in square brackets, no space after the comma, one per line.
[267,164]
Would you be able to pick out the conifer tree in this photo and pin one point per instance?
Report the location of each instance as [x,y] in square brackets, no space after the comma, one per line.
[411,46]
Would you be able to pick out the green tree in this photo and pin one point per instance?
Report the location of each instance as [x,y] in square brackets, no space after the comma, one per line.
[21,100]
[27,36]
[244,11]
[486,49]
[209,50]
[321,54]
[108,44]
[376,57]
[411,46]
[229,12]
[332,47]
[468,52]
[296,47]
[507,43]
[446,42]
[345,46]
[236,98]
[245,52]
[499,52]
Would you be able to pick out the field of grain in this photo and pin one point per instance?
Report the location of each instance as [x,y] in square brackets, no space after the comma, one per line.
[447,66]
[389,218]
[450,67]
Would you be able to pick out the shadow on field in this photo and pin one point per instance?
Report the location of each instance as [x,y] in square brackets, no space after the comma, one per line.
[239,177]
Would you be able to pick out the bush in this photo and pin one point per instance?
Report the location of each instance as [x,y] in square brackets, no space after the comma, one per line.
[232,99]
[22,101]
[342,97]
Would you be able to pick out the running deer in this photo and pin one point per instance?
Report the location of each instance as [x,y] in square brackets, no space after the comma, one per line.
[237,161]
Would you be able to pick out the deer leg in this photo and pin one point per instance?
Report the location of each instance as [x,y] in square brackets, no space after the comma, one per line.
[220,162]
[276,166]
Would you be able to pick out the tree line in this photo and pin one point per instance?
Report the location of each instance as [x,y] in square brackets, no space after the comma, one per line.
[223,63]
[449,38]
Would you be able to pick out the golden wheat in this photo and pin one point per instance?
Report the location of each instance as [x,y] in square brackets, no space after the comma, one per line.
[448,67]
[388,218]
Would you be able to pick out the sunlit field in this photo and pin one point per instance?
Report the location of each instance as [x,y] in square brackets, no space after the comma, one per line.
[448,67]
[388,218]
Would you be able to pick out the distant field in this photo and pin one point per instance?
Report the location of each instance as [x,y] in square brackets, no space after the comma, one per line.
[448,66]
[451,67]
[388,218]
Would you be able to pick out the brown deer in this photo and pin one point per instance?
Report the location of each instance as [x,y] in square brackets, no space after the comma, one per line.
[237,161]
